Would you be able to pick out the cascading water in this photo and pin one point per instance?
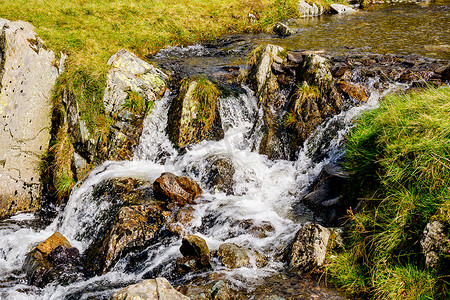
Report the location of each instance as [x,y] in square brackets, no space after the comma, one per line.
[264,193]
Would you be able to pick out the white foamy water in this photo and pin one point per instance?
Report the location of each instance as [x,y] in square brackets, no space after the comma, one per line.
[264,193]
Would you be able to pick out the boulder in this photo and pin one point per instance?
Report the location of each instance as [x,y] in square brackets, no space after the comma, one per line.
[27,77]
[194,114]
[340,9]
[176,189]
[233,256]
[132,87]
[313,99]
[150,289]
[433,243]
[134,227]
[53,260]
[183,219]
[283,30]
[309,10]
[308,248]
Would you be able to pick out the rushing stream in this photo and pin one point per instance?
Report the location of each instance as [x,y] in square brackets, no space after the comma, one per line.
[265,191]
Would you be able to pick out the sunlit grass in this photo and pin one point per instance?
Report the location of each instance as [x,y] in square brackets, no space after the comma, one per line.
[398,158]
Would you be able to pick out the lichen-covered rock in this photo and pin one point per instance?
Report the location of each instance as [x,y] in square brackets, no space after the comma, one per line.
[433,243]
[194,113]
[177,189]
[53,260]
[27,76]
[132,86]
[308,248]
[308,10]
[134,227]
[150,289]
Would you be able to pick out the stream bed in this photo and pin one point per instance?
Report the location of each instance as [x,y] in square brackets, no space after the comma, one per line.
[266,192]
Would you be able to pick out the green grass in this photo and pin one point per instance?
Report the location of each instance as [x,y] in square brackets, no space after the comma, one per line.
[91,31]
[398,158]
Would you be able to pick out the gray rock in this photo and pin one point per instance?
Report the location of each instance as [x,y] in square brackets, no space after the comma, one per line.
[309,248]
[283,30]
[28,74]
[136,81]
[433,243]
[340,9]
[130,73]
[151,289]
[308,10]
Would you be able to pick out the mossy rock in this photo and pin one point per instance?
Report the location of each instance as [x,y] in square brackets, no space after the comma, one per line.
[194,114]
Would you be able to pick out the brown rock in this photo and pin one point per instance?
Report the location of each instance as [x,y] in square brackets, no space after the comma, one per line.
[356,91]
[234,256]
[196,247]
[55,240]
[178,189]
[131,229]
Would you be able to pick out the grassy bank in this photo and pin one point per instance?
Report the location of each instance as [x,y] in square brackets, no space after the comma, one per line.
[91,31]
[398,158]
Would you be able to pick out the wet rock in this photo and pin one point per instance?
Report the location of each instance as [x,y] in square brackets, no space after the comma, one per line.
[183,219]
[340,9]
[233,256]
[132,86]
[309,248]
[80,165]
[53,260]
[194,114]
[295,57]
[306,10]
[412,77]
[324,197]
[151,289]
[216,290]
[433,243]
[195,247]
[28,75]
[55,240]
[260,76]
[64,255]
[220,174]
[283,30]
[177,189]
[339,69]
[313,99]
[134,227]
[444,72]
[354,90]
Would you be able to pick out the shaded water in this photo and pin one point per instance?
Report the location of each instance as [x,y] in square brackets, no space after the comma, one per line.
[265,191]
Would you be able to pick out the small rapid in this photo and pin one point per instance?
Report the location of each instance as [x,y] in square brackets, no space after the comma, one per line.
[263,196]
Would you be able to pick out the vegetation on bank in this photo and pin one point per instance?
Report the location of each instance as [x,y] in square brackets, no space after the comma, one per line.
[398,160]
